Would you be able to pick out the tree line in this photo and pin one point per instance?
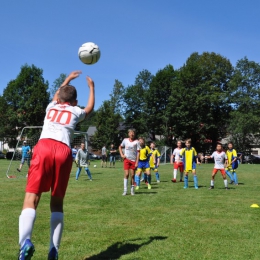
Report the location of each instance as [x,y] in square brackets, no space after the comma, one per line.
[206,99]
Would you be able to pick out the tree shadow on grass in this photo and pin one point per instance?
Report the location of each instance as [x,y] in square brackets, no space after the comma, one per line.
[119,249]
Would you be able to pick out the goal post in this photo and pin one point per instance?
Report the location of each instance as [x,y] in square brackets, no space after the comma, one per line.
[31,135]
[166,153]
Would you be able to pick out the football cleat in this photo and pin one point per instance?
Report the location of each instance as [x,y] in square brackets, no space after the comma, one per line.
[137,188]
[211,187]
[124,193]
[53,254]
[173,180]
[26,251]
[149,186]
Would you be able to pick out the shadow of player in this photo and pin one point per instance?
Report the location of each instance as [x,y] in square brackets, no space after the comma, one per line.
[119,249]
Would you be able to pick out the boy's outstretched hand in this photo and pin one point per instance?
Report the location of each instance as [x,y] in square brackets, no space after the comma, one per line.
[90,81]
[75,74]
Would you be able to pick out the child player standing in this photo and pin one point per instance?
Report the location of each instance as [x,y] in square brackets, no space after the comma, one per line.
[155,161]
[143,159]
[178,164]
[51,165]
[190,158]
[130,145]
[82,161]
[220,159]
[232,163]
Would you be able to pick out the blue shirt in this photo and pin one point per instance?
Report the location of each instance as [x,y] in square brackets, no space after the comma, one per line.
[25,150]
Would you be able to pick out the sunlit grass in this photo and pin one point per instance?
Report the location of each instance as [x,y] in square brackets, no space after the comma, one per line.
[166,222]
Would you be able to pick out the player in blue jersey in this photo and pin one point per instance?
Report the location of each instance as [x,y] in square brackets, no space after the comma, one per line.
[26,155]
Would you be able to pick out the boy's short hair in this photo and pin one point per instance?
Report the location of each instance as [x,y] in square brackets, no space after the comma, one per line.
[131,130]
[188,141]
[230,143]
[67,93]
[219,144]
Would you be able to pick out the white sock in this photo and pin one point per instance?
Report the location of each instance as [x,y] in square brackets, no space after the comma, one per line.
[125,184]
[56,229]
[211,183]
[175,173]
[26,222]
[225,183]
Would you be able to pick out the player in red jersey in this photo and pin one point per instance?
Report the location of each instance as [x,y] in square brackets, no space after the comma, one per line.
[51,165]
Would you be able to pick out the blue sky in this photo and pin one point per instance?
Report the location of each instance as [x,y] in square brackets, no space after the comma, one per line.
[133,35]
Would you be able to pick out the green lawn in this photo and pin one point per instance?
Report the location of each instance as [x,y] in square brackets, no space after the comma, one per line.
[166,222]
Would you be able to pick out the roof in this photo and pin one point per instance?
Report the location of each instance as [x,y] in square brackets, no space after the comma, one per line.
[91,130]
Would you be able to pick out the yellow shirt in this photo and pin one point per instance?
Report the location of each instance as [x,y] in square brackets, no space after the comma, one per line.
[189,158]
[156,154]
[231,154]
[144,153]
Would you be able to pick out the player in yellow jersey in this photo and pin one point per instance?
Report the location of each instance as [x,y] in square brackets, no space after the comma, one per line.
[143,158]
[190,158]
[232,164]
[155,161]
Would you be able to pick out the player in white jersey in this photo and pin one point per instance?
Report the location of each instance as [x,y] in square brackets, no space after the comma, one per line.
[131,146]
[51,165]
[220,159]
[178,163]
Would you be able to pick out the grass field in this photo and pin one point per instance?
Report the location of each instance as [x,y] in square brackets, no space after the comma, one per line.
[166,222]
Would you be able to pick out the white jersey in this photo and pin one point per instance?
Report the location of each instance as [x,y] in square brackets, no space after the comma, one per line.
[219,158]
[60,121]
[176,153]
[131,148]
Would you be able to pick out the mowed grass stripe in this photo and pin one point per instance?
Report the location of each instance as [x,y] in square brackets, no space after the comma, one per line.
[166,222]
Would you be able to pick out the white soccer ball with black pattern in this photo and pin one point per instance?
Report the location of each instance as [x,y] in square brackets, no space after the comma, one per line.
[89,53]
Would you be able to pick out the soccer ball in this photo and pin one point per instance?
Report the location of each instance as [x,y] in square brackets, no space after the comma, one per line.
[89,53]
[95,166]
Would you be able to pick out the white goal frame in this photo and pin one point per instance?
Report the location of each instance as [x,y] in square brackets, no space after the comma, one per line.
[12,172]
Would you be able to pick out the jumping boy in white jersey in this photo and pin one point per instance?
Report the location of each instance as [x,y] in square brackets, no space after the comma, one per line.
[51,165]
[220,159]
[178,163]
[131,146]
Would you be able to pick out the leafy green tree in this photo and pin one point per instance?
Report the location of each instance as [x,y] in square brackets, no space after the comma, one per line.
[57,83]
[116,97]
[157,99]
[244,122]
[25,100]
[107,123]
[199,105]
[135,103]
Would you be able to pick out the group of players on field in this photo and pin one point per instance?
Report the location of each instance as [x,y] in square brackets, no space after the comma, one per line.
[51,164]
[139,158]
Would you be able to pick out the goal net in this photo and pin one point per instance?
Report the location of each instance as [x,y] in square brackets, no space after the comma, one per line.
[166,153]
[31,135]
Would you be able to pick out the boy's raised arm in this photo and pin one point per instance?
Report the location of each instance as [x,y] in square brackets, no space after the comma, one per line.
[73,75]
[91,100]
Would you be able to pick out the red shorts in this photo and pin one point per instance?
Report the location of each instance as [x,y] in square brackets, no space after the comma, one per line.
[129,165]
[221,170]
[50,168]
[179,165]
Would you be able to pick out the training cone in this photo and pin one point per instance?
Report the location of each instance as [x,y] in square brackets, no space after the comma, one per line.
[254,206]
